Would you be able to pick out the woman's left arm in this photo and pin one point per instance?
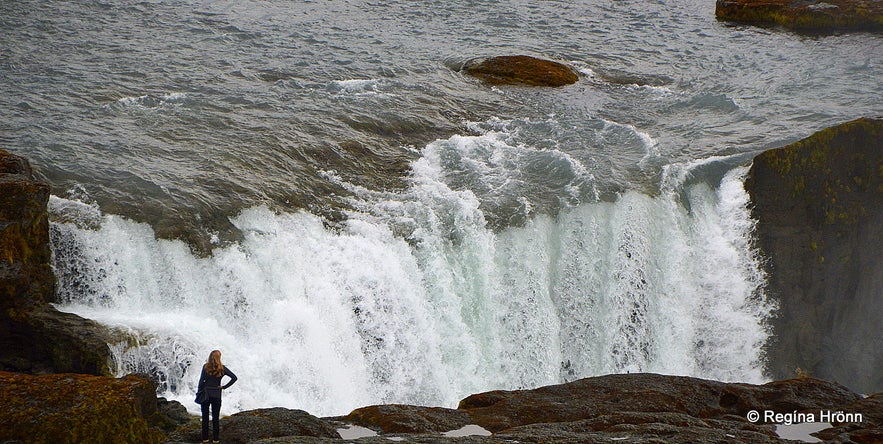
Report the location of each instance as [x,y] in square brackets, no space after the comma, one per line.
[232,376]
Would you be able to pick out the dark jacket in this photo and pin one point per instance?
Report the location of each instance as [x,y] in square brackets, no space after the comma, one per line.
[212,384]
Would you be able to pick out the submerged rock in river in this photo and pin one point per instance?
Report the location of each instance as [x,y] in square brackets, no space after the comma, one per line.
[811,16]
[819,210]
[521,70]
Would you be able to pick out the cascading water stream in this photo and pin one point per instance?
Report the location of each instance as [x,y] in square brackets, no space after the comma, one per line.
[416,300]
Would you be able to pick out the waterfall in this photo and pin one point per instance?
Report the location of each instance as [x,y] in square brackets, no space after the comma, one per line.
[415,299]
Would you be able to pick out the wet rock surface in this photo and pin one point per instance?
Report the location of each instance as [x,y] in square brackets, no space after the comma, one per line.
[819,210]
[34,336]
[643,408]
[805,16]
[521,70]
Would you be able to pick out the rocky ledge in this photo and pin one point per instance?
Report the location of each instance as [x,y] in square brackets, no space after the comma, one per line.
[805,16]
[630,408]
[76,408]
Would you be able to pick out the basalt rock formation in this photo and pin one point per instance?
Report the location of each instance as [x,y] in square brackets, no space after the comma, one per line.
[805,16]
[819,210]
[521,70]
[34,336]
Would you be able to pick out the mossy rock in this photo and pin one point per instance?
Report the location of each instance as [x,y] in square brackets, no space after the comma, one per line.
[521,70]
[73,408]
[833,176]
[26,277]
[805,16]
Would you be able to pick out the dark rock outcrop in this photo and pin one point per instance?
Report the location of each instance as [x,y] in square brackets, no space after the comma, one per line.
[819,210]
[397,418]
[682,397]
[72,408]
[636,407]
[26,277]
[34,336]
[806,16]
[252,425]
[521,70]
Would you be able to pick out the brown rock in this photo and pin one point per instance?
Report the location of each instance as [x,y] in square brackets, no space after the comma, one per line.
[396,418]
[253,425]
[607,395]
[521,70]
[801,15]
[71,408]
[34,336]
[26,277]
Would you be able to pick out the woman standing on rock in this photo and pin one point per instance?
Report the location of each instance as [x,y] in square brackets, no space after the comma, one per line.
[210,381]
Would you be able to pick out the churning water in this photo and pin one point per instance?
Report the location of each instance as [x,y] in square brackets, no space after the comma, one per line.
[316,190]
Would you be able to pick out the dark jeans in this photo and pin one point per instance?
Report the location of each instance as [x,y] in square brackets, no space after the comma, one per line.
[215,404]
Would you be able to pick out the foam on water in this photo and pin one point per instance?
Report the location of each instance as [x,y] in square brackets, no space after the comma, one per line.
[416,300]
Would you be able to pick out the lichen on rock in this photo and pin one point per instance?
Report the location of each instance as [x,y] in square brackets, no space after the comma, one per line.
[73,408]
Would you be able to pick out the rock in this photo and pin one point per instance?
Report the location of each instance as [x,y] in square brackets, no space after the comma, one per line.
[397,418]
[521,70]
[26,277]
[253,425]
[800,15]
[591,398]
[34,336]
[819,210]
[643,427]
[45,340]
[871,429]
[71,408]
[632,408]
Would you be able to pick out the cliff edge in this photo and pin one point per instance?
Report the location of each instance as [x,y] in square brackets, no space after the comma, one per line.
[34,336]
[819,210]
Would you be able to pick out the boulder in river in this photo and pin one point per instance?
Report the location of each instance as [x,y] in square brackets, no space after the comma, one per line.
[521,70]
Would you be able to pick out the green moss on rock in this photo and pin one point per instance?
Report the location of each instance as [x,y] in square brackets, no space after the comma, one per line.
[818,204]
[805,16]
[73,408]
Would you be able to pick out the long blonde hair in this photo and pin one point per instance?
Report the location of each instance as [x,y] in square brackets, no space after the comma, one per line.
[213,366]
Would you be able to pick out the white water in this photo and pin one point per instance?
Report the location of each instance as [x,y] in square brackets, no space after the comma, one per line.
[416,301]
